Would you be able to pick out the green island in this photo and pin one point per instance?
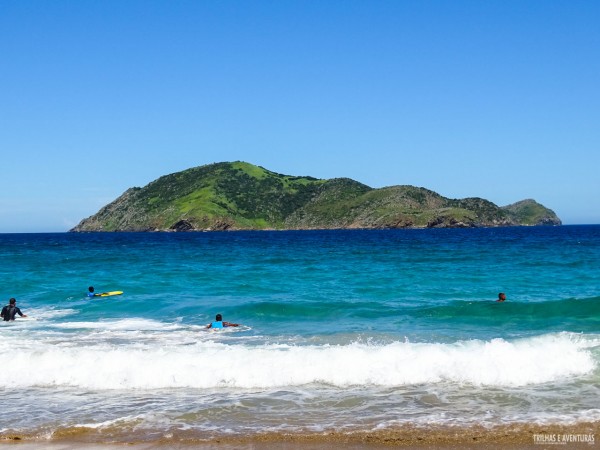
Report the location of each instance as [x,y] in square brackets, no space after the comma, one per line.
[242,196]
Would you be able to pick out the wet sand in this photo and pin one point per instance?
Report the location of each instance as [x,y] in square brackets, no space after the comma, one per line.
[514,436]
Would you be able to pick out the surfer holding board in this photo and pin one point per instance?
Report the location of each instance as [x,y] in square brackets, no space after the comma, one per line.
[91,293]
[218,323]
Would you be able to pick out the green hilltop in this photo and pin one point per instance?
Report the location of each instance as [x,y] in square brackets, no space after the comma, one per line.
[242,196]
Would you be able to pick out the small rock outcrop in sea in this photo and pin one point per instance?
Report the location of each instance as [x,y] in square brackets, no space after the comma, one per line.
[242,196]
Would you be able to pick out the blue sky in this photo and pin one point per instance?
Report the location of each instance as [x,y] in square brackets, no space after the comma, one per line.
[493,99]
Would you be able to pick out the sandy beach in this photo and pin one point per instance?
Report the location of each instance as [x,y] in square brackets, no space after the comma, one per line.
[517,436]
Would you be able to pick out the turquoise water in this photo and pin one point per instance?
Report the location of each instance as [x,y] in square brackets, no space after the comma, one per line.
[339,330]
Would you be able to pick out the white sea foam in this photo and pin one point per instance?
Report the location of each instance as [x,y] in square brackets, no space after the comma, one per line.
[46,313]
[212,364]
[134,324]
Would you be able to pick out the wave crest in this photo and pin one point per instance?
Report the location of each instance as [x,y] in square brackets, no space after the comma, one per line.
[542,359]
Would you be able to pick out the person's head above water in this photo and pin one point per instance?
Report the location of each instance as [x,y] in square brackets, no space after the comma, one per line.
[501,297]
[219,318]
[91,289]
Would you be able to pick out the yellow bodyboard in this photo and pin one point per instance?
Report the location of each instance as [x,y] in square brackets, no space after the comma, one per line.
[108,294]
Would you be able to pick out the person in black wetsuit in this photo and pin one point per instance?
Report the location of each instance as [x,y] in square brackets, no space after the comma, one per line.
[10,311]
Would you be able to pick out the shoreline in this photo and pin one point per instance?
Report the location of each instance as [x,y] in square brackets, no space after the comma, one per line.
[518,436]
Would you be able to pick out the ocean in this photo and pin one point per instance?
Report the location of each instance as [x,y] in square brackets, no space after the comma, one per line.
[345,331]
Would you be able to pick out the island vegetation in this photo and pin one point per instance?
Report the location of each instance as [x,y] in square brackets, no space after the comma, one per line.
[243,196]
